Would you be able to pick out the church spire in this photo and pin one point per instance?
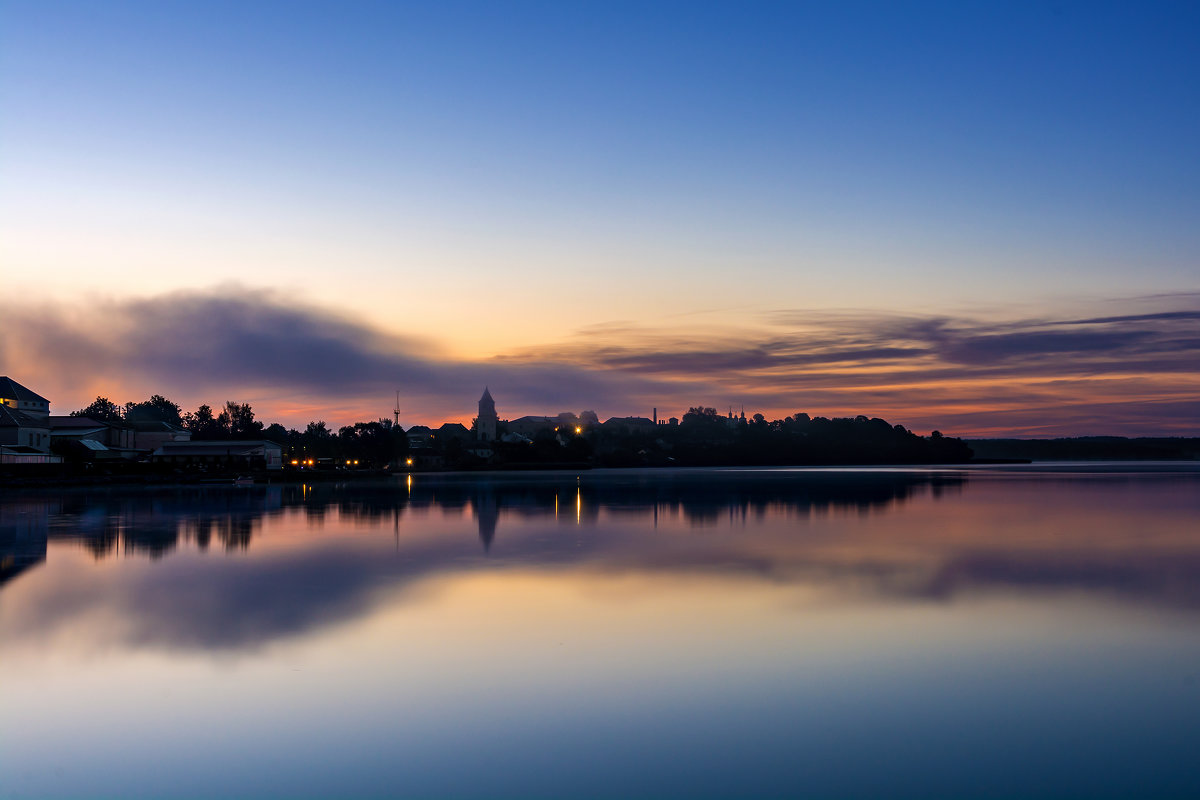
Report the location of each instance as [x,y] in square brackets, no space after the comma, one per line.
[486,422]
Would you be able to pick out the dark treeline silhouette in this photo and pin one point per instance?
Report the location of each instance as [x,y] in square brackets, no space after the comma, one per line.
[704,438]
[376,444]
[701,438]
[235,421]
[365,444]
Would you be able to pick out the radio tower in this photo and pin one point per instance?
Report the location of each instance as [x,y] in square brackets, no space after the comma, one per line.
[396,410]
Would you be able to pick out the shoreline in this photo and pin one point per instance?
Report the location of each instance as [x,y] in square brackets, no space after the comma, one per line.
[14,484]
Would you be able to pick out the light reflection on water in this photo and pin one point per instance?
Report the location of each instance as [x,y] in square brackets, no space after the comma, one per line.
[1016,631]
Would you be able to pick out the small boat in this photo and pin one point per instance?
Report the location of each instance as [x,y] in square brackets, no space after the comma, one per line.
[243,480]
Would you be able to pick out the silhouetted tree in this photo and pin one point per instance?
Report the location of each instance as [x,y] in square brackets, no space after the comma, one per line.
[315,442]
[372,443]
[203,424]
[156,409]
[101,409]
[700,415]
[242,424]
[276,433]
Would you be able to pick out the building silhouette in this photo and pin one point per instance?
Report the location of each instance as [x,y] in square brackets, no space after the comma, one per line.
[24,424]
[486,422]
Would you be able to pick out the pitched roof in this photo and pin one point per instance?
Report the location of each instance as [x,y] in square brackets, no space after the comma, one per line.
[487,395]
[15,391]
[11,418]
[156,426]
[65,423]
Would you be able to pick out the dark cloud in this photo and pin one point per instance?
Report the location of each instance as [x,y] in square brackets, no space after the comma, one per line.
[233,343]
[993,347]
[942,346]
[1165,315]
[767,356]
[238,341]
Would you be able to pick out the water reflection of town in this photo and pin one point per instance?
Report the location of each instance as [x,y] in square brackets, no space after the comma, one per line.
[136,522]
[156,522]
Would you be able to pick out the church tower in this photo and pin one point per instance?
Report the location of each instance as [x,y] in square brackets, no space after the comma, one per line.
[485,423]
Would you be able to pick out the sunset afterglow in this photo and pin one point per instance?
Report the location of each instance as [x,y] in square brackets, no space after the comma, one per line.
[980,218]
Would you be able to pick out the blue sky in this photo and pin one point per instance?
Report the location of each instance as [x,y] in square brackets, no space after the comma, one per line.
[495,178]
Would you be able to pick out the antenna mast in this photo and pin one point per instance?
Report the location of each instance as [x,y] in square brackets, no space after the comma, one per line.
[396,410]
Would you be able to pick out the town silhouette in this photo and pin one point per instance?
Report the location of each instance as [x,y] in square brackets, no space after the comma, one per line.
[157,433]
[155,439]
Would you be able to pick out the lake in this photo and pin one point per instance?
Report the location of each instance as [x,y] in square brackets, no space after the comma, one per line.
[1026,631]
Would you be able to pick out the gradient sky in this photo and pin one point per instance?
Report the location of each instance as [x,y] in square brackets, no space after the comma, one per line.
[980,217]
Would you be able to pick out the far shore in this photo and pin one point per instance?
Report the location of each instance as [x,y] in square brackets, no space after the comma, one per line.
[15,482]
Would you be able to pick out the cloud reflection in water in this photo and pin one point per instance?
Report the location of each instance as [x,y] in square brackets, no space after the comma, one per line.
[297,563]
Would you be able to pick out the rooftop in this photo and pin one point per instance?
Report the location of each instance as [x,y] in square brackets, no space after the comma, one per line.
[12,418]
[11,390]
[76,423]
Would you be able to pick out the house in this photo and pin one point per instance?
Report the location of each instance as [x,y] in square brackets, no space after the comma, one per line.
[420,436]
[91,439]
[87,439]
[16,396]
[454,430]
[530,426]
[18,429]
[248,454]
[152,434]
[24,425]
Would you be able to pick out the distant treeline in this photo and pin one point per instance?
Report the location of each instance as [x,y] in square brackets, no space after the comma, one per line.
[701,438]
[371,444]
[1087,448]
[704,438]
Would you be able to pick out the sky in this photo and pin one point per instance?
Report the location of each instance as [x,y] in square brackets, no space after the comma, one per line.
[975,217]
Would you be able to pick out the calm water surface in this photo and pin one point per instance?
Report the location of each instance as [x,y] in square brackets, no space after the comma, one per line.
[1027,631]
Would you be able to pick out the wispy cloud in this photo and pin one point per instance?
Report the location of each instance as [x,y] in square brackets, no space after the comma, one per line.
[1130,373]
